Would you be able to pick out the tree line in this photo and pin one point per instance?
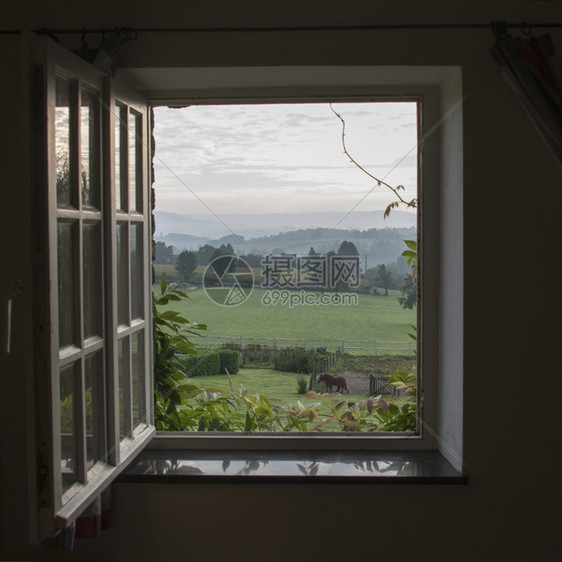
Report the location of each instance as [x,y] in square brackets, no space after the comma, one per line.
[378,279]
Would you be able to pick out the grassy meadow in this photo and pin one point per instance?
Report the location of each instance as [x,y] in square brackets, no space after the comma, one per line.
[373,318]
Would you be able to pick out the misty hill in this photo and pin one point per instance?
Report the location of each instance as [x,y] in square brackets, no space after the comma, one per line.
[379,245]
[254,226]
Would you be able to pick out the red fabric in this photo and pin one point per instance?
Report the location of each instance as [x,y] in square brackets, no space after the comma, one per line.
[536,52]
[95,518]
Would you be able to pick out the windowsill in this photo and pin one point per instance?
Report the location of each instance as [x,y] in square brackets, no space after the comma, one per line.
[291,467]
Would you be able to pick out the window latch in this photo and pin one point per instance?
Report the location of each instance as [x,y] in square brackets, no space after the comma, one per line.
[12,291]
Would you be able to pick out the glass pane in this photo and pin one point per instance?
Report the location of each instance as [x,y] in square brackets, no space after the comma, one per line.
[120,155]
[66,282]
[135,156]
[123,386]
[62,142]
[122,275]
[93,305]
[93,366]
[137,368]
[67,427]
[90,150]
[137,295]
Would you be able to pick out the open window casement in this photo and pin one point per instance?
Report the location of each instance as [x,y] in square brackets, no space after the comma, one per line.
[93,314]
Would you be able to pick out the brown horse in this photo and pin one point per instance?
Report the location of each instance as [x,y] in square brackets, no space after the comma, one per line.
[331,381]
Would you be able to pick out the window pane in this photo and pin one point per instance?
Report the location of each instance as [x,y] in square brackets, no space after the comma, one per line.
[67,427]
[137,367]
[93,305]
[135,158]
[123,386]
[66,282]
[120,155]
[137,284]
[62,143]
[90,155]
[93,366]
[122,275]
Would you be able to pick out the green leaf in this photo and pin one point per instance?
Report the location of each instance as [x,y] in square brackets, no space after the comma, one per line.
[393,409]
[409,254]
[412,244]
[163,285]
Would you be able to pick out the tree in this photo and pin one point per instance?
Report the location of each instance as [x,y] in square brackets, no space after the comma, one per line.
[348,248]
[384,279]
[223,260]
[204,254]
[186,264]
[409,290]
[163,254]
[253,260]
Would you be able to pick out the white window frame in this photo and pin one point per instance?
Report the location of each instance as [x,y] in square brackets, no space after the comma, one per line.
[439,90]
[56,508]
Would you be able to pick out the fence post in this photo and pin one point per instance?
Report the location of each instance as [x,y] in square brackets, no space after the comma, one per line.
[207,342]
[308,346]
[241,343]
[376,347]
[342,347]
[371,384]
[409,348]
[275,343]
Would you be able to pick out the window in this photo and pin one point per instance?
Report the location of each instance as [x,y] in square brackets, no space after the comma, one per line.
[93,230]
[94,245]
[270,184]
[439,90]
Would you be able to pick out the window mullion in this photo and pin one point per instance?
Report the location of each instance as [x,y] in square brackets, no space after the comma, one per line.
[147,268]
[128,362]
[109,118]
[80,393]
[127,352]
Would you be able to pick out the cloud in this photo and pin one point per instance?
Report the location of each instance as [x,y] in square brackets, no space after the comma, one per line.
[274,153]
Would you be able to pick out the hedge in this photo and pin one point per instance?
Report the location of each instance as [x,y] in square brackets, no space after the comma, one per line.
[208,364]
[295,360]
[229,360]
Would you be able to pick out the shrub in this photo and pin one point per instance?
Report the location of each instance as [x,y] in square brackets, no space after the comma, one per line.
[295,360]
[229,360]
[302,384]
[202,366]
[255,355]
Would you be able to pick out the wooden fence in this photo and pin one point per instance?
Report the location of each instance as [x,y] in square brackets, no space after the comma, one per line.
[365,347]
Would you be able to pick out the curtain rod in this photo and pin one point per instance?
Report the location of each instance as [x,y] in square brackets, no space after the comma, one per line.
[132,32]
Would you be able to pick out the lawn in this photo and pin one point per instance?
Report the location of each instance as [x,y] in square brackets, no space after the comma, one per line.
[372,318]
[277,385]
[281,390]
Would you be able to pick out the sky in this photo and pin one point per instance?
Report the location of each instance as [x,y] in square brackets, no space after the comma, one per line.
[285,158]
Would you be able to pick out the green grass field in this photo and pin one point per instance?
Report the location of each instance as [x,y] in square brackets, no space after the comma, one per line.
[373,318]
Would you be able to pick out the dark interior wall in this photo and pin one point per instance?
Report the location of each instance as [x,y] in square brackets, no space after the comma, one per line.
[512,215]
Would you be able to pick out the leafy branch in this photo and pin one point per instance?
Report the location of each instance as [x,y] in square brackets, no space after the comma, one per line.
[170,343]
